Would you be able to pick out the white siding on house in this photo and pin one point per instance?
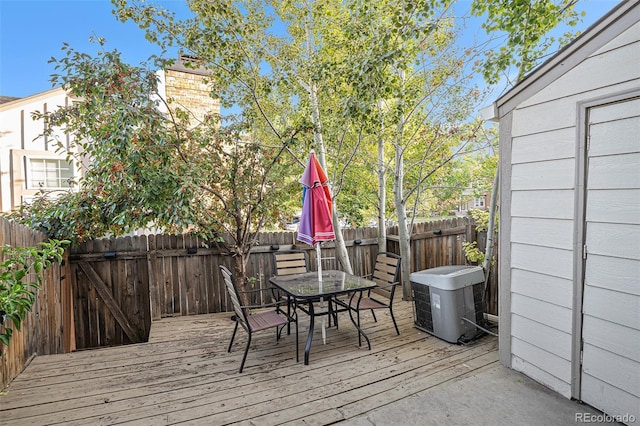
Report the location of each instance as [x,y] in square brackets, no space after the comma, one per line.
[595,389]
[542,204]
[615,370]
[542,287]
[544,260]
[542,232]
[624,132]
[541,352]
[542,336]
[615,63]
[560,113]
[547,188]
[551,145]
[556,174]
[613,306]
[542,375]
[552,204]
[624,341]
[553,364]
[614,206]
[615,117]
[614,273]
[609,171]
[555,316]
[614,240]
[630,36]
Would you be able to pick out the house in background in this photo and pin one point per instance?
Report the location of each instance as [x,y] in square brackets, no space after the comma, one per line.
[30,163]
[470,202]
[570,218]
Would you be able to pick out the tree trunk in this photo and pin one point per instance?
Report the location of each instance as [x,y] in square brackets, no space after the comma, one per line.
[382,195]
[403,230]
[401,208]
[240,275]
[488,252]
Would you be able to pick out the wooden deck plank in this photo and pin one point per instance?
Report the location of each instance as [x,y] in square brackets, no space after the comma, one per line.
[43,375]
[112,387]
[185,374]
[235,395]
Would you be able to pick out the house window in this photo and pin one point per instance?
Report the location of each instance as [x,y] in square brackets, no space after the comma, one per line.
[478,202]
[50,173]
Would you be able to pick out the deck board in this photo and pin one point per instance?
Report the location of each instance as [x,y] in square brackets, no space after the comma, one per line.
[184,374]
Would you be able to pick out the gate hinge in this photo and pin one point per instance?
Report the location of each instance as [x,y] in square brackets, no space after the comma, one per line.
[584,252]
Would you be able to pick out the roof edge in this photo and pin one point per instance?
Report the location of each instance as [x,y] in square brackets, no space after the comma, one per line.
[31,98]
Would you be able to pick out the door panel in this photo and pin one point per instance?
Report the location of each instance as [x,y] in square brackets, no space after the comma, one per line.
[610,375]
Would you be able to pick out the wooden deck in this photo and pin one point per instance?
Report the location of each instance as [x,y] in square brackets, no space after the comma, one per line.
[184,374]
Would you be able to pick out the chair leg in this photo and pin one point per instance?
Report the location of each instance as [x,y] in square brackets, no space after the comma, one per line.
[394,320]
[332,314]
[374,316]
[359,335]
[297,345]
[233,336]
[288,314]
[246,351]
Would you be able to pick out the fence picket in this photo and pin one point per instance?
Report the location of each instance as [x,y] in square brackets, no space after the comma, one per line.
[48,328]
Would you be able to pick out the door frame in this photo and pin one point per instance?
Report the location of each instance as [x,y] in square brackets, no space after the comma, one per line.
[579,227]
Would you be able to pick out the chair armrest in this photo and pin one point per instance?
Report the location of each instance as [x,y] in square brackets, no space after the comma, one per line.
[388,285]
[275,293]
[264,305]
[255,291]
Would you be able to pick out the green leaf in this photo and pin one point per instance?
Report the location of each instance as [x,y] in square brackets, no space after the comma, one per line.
[5,337]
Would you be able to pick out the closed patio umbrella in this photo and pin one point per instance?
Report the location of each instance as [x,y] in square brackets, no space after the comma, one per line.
[315,221]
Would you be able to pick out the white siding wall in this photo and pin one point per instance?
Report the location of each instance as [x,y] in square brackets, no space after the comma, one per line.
[19,137]
[543,177]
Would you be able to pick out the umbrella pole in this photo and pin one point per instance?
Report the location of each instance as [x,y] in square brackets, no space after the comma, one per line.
[319,257]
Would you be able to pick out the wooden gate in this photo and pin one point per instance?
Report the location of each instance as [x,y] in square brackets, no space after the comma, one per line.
[111,289]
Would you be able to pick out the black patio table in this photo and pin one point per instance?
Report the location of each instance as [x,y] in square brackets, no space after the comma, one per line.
[306,288]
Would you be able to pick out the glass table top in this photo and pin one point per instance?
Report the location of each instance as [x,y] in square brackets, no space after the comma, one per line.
[308,284]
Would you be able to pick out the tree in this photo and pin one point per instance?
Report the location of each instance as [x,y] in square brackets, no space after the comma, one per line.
[526,24]
[147,167]
[412,60]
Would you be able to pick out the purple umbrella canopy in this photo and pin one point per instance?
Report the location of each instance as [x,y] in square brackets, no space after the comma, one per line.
[316,224]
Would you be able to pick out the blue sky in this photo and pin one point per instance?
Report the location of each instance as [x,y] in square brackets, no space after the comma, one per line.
[32,31]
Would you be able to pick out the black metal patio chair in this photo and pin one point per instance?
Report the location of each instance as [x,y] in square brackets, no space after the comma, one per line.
[253,320]
[385,273]
[289,262]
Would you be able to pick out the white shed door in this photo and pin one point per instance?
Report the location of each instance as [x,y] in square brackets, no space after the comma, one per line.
[610,379]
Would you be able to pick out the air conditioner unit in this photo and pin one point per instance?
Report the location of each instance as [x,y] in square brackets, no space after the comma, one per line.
[448,301]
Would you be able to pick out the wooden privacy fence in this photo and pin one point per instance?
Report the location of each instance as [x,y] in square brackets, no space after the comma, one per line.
[48,328]
[121,285]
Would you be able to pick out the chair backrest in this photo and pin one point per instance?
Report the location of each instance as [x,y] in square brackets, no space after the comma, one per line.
[386,271]
[232,290]
[291,262]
